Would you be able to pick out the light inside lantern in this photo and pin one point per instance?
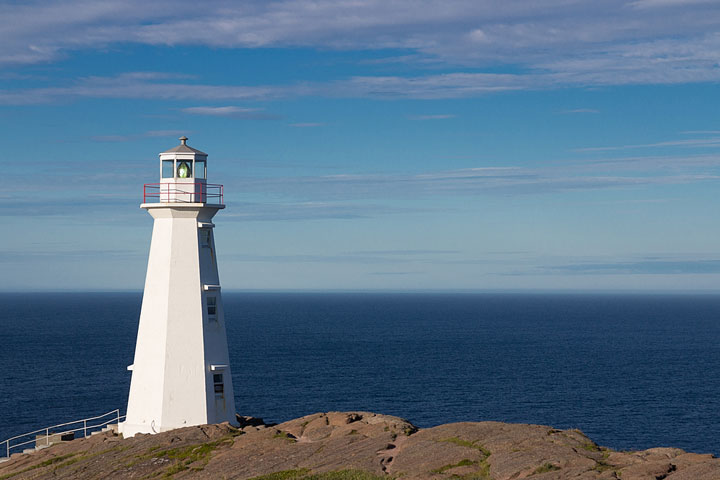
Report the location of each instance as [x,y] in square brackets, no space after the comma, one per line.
[184,170]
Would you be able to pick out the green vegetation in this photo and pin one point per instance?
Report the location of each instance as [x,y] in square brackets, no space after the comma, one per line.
[483,465]
[545,467]
[284,436]
[484,471]
[284,475]
[191,457]
[46,463]
[602,466]
[353,432]
[462,463]
[468,444]
[590,447]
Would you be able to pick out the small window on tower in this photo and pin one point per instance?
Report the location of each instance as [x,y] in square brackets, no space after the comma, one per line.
[212,308]
[167,169]
[205,237]
[219,385]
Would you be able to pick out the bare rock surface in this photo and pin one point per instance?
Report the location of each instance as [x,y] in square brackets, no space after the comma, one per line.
[356,445]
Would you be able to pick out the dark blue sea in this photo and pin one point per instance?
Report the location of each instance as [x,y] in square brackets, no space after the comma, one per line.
[631,371]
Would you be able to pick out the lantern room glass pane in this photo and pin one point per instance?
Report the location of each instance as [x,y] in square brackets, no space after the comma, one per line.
[184,169]
[167,169]
[200,169]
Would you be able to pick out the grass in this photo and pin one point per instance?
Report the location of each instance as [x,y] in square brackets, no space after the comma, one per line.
[184,456]
[189,455]
[465,443]
[46,463]
[590,447]
[545,467]
[602,466]
[284,475]
[462,463]
[284,436]
[483,465]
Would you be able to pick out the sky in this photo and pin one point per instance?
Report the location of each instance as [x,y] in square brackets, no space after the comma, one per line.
[369,145]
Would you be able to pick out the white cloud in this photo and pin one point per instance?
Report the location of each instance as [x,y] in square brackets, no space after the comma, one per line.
[138,85]
[441,116]
[231,111]
[713,142]
[149,133]
[553,42]
[667,3]
[464,182]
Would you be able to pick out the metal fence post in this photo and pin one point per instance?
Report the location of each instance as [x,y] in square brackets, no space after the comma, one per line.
[85,428]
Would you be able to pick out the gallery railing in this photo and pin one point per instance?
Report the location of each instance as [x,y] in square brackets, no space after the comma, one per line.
[48,435]
[197,192]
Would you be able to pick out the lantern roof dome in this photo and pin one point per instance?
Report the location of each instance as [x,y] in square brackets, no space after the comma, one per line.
[184,148]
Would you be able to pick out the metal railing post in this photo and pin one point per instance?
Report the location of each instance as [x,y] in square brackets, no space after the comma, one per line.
[7,443]
[84,428]
[47,436]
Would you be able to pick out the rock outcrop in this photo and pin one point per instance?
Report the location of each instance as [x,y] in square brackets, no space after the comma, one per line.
[356,445]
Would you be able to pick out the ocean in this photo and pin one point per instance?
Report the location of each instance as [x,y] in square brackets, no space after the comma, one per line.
[630,371]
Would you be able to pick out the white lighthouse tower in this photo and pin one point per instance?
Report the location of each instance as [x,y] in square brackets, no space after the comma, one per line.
[181,373]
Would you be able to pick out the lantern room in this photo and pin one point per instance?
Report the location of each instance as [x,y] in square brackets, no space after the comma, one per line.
[183,164]
[183,178]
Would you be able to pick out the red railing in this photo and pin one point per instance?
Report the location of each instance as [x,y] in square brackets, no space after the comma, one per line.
[183,193]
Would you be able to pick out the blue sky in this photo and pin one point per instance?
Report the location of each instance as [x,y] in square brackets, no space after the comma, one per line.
[455,145]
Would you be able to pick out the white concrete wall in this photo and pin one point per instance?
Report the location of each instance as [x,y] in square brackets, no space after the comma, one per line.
[219,410]
[172,380]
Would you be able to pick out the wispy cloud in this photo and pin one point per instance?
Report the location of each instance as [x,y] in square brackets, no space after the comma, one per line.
[312,210]
[23,256]
[148,134]
[403,252]
[231,111]
[700,132]
[646,267]
[667,3]
[463,182]
[397,273]
[712,142]
[442,116]
[137,85]
[618,42]
[311,258]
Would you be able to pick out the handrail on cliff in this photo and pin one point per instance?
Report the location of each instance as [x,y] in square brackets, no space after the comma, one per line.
[52,430]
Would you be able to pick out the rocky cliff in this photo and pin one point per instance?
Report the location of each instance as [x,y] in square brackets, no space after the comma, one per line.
[356,445]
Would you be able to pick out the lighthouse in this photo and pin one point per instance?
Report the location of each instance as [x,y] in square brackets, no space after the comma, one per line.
[181,372]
